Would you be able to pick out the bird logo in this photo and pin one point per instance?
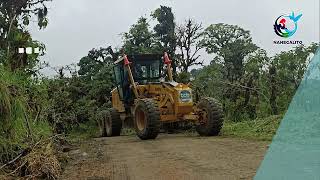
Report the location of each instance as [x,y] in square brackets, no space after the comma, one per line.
[286,25]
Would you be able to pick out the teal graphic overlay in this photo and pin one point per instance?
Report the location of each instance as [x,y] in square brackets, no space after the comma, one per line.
[294,153]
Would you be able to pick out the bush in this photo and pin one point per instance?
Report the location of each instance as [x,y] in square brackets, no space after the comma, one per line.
[22,118]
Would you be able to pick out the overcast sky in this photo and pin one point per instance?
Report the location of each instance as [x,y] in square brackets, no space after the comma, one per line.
[76,26]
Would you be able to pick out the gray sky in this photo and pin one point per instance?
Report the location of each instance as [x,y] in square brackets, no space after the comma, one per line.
[76,26]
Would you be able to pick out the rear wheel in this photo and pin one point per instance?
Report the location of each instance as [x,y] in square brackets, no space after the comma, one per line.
[102,124]
[147,119]
[210,117]
[113,123]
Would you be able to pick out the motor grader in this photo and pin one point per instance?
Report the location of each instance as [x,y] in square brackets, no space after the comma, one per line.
[146,94]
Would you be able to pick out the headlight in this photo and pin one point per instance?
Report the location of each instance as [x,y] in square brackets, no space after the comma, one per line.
[185,96]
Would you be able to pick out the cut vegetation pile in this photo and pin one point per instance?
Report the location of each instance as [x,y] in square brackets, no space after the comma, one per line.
[260,128]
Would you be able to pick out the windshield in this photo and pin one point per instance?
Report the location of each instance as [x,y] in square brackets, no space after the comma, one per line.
[147,70]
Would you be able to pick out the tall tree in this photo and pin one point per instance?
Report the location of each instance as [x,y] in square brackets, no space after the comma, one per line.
[188,42]
[231,44]
[15,16]
[139,39]
[164,32]
[96,59]
[285,74]
[255,67]
[165,29]
[96,71]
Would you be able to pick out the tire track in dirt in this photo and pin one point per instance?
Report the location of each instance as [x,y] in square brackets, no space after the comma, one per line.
[93,162]
[168,157]
[154,164]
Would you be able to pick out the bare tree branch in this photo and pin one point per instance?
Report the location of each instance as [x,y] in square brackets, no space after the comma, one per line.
[188,38]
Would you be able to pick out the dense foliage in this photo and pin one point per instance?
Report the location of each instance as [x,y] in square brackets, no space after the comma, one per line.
[25,132]
[248,82]
[253,87]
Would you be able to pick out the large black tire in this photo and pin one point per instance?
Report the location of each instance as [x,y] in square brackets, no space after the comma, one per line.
[210,117]
[113,123]
[147,119]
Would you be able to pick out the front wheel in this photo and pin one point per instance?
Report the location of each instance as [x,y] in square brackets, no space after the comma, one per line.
[147,119]
[210,114]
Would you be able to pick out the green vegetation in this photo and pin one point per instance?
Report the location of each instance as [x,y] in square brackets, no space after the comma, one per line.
[82,132]
[23,123]
[36,112]
[26,135]
[258,129]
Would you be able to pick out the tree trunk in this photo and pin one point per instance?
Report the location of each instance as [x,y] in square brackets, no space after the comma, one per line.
[273,90]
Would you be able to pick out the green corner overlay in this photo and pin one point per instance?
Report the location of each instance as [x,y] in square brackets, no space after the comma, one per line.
[294,153]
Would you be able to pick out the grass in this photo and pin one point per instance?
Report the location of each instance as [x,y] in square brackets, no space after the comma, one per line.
[259,129]
[12,111]
[21,131]
[262,129]
[84,131]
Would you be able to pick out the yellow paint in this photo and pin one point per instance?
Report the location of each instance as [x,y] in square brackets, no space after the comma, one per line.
[168,99]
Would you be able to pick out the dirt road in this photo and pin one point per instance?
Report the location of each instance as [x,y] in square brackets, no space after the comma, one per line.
[169,157]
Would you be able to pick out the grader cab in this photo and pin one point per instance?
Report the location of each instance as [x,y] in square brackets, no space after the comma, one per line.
[147,95]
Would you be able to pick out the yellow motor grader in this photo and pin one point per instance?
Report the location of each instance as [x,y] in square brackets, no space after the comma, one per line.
[145,96]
